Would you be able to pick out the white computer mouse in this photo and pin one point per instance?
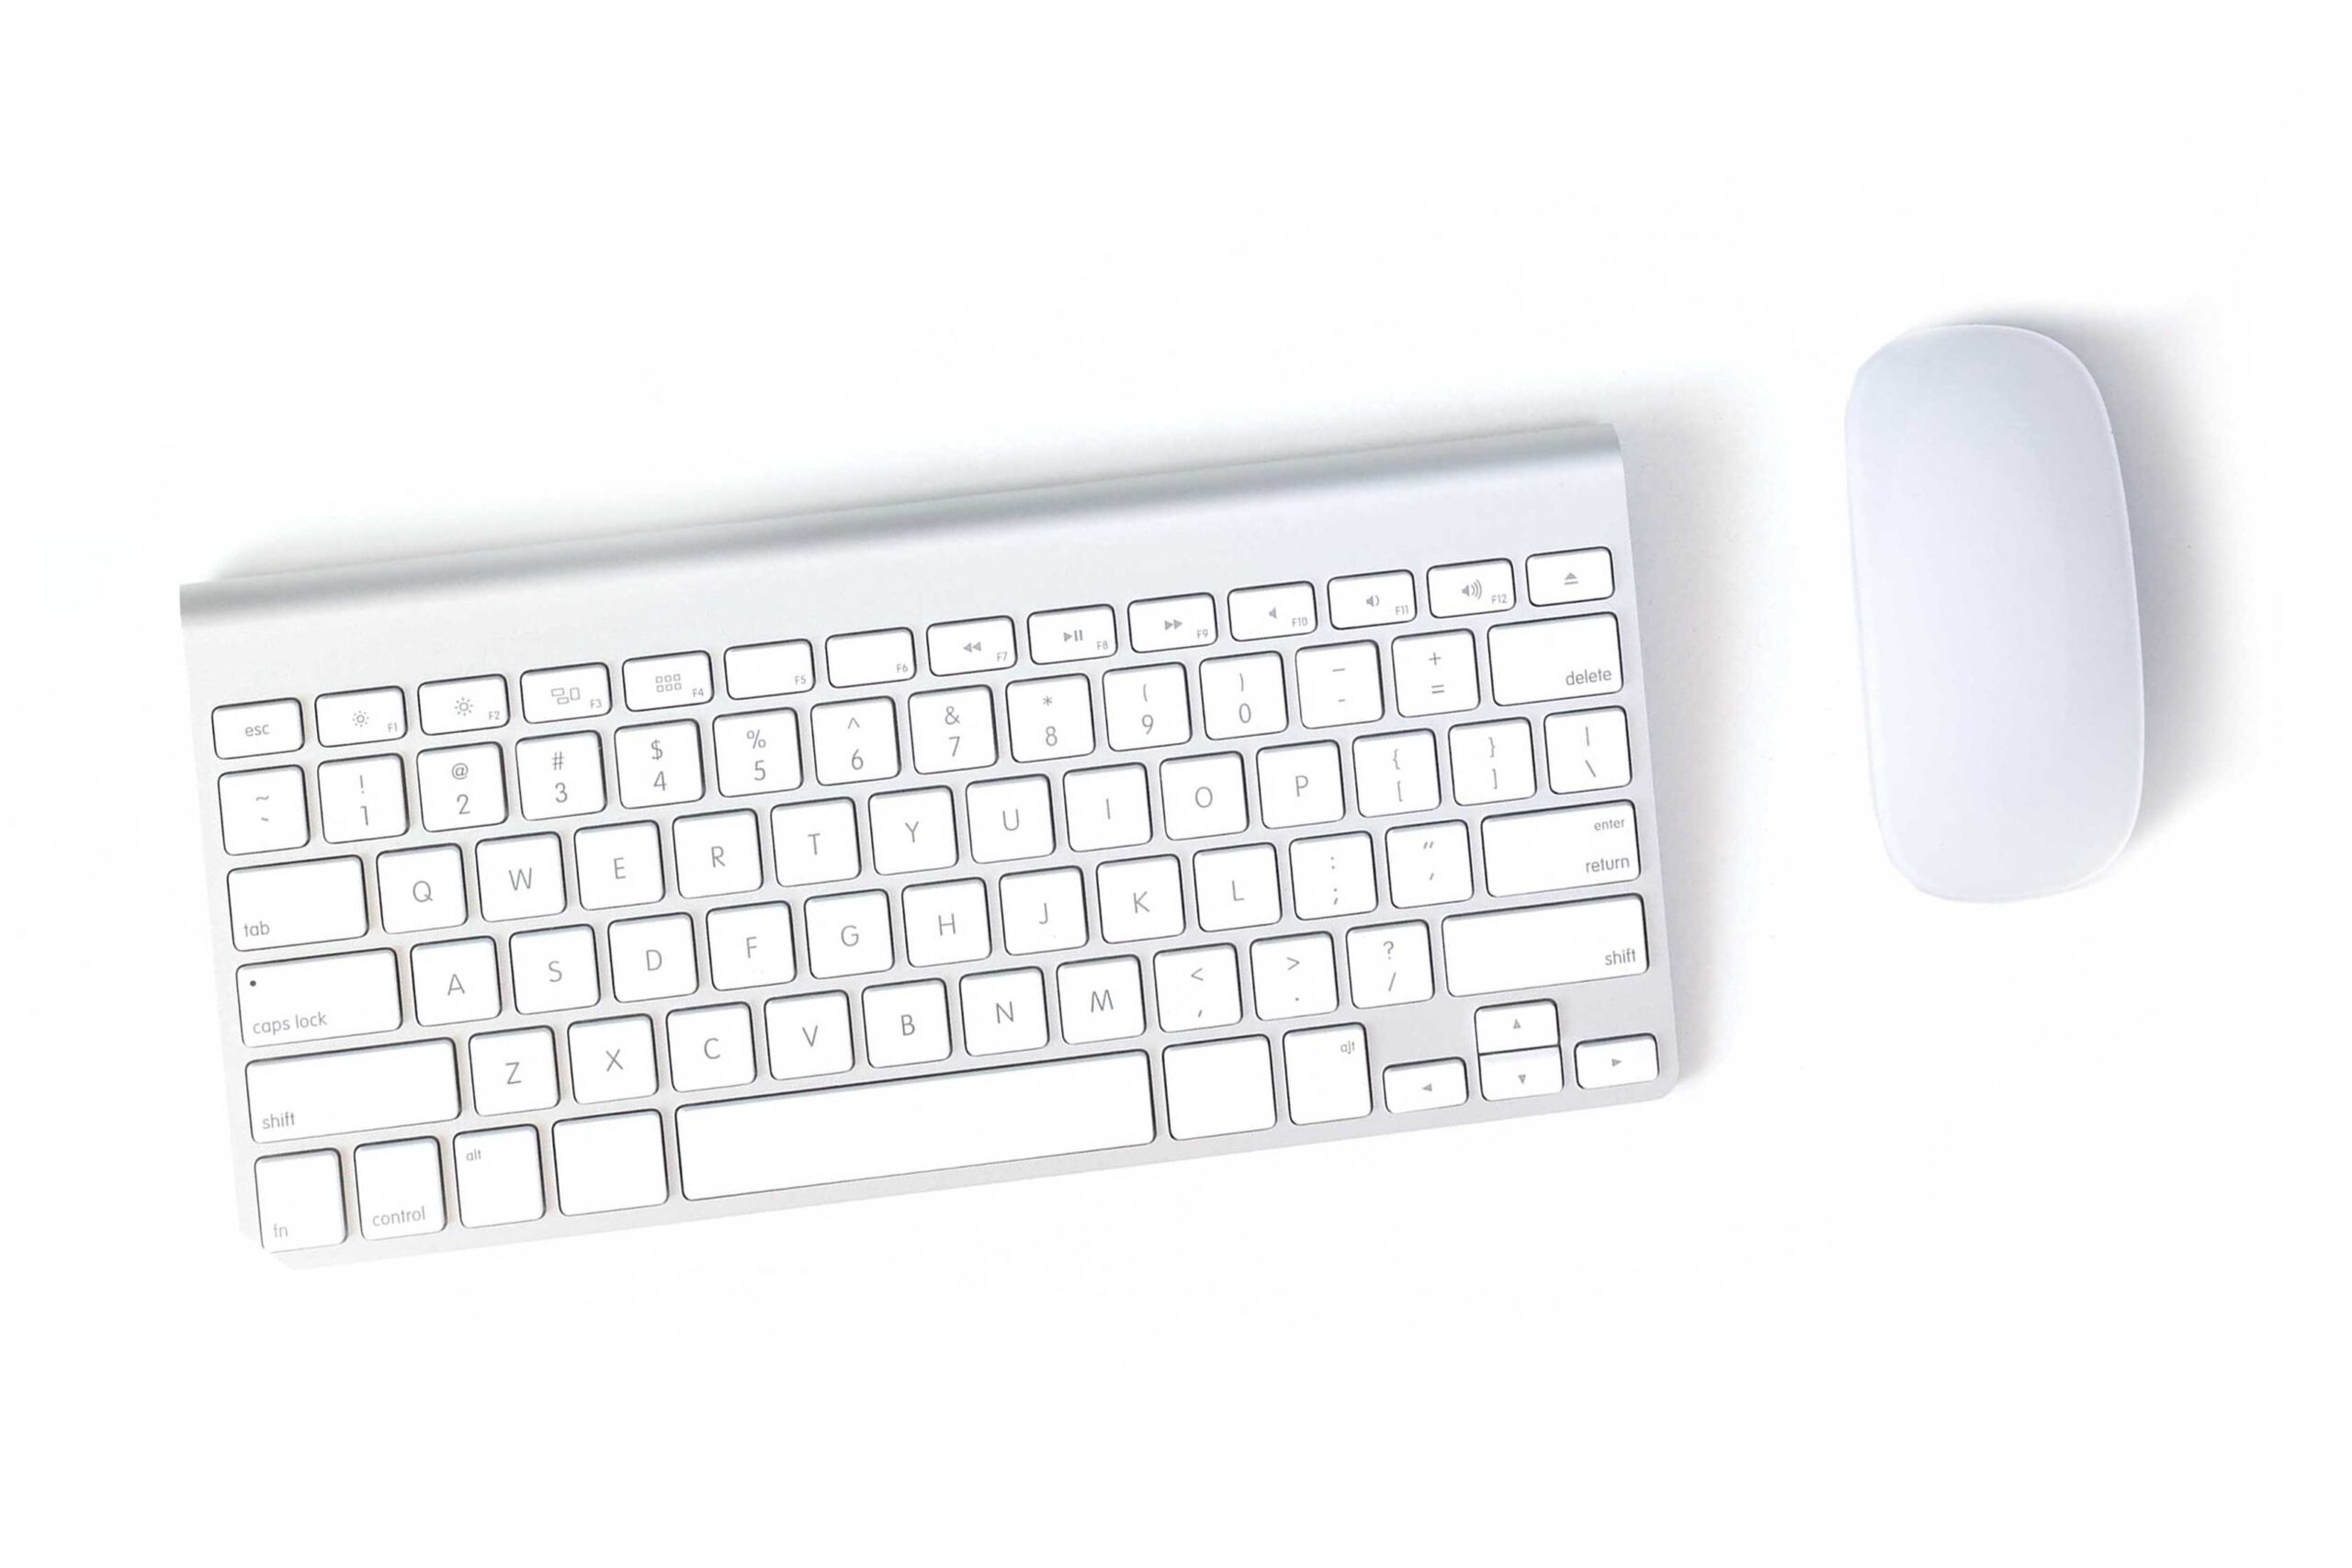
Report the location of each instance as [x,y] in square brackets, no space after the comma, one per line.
[2000,625]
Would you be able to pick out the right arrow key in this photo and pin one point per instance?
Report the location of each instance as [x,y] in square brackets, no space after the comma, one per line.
[1612,1064]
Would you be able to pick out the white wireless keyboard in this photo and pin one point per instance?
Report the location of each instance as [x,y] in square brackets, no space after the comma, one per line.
[564,889]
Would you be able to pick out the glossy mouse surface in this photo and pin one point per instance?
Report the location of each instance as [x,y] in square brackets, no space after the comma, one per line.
[2000,625]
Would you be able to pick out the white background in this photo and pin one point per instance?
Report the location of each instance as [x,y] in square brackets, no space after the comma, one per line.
[1973,1234]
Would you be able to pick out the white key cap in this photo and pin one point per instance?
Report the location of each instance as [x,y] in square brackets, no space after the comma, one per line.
[751,946]
[301,999]
[1219,1087]
[452,707]
[463,787]
[1147,708]
[362,799]
[941,1123]
[659,764]
[1339,685]
[914,830]
[1198,987]
[1612,1064]
[1011,819]
[770,669]
[258,729]
[612,1058]
[759,753]
[816,842]
[422,890]
[361,719]
[667,681]
[1004,1011]
[856,742]
[1109,807]
[1492,762]
[1243,696]
[1577,846]
[905,1023]
[848,934]
[1326,1073]
[710,1048]
[953,731]
[1436,672]
[718,855]
[1057,636]
[574,692]
[300,1198]
[1100,1000]
[1395,773]
[456,982]
[400,1188]
[264,810]
[1388,966]
[520,879]
[1300,785]
[289,906]
[513,1071]
[1142,900]
[1548,661]
[498,1177]
[1049,718]
[1425,1086]
[1201,797]
[1520,1075]
[605,1163]
[1378,599]
[1554,944]
[1569,577]
[1518,1026]
[352,1092]
[1331,876]
[1284,610]
[619,866]
[1045,911]
[1236,888]
[947,922]
[964,647]
[653,958]
[1157,625]
[1588,750]
[1430,864]
[1473,587]
[809,1036]
[870,658]
[554,971]
[1294,975]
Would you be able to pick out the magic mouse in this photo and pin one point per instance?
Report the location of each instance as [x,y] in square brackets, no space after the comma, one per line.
[2000,627]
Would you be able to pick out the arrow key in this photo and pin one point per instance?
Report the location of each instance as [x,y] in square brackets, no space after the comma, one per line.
[1613,1064]
[1425,1086]
[1516,1075]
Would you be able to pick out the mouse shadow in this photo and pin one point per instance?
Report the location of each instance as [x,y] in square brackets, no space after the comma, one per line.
[2146,371]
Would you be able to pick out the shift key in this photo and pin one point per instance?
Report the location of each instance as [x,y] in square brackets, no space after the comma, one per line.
[318,998]
[352,1092]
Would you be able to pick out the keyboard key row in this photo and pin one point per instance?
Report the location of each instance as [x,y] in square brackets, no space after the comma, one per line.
[861,659]
[1048,720]
[617,1162]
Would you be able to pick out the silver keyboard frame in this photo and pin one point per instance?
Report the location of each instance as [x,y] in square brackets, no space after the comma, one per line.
[1114,541]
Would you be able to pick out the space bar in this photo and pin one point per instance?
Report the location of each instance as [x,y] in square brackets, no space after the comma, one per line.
[909,1126]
